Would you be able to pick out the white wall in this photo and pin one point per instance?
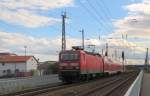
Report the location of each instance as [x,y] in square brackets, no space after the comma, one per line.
[32,64]
[23,67]
[12,67]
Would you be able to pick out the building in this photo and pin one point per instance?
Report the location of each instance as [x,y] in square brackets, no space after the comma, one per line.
[17,65]
[48,67]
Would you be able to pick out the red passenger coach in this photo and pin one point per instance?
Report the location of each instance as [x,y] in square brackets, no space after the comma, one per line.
[75,65]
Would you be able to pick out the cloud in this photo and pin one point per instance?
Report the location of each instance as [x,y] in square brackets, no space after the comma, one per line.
[135,61]
[43,48]
[139,8]
[35,4]
[48,49]
[26,12]
[136,26]
[27,19]
[137,23]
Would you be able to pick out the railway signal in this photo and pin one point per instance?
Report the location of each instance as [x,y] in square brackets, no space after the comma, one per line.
[106,53]
[123,60]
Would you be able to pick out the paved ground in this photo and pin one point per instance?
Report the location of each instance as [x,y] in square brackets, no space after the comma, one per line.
[145,91]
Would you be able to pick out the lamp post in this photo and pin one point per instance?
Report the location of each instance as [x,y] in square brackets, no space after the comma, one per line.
[25,50]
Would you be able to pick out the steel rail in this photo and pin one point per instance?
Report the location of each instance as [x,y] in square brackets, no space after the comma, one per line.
[110,91]
[106,82]
[118,82]
[40,90]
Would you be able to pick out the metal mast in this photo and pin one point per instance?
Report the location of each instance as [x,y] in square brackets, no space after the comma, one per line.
[82,38]
[25,50]
[147,61]
[63,32]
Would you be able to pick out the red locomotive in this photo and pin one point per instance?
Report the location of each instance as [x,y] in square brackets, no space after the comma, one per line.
[78,64]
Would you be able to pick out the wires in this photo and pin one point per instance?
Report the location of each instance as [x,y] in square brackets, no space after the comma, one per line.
[98,13]
[95,17]
[105,10]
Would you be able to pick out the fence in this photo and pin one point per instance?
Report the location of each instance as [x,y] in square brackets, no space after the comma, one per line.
[14,85]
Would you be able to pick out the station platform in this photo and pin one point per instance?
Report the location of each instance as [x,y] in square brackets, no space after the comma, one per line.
[145,88]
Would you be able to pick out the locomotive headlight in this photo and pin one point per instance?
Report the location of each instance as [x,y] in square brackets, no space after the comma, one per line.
[77,67]
[63,64]
[74,64]
[61,67]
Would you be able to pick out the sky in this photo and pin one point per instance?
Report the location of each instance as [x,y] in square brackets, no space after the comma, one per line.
[37,25]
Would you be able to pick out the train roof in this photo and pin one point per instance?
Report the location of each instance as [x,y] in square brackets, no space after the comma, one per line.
[82,51]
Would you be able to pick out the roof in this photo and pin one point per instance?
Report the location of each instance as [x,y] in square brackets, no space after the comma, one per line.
[7,54]
[14,58]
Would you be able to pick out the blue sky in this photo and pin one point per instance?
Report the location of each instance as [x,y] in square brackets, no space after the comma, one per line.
[78,18]
[37,24]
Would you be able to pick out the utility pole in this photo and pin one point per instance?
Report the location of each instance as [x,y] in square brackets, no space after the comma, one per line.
[63,32]
[25,50]
[99,36]
[147,61]
[115,54]
[82,31]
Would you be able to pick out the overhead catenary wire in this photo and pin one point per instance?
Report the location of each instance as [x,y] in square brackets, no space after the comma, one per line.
[51,27]
[92,15]
[105,10]
[98,14]
[102,7]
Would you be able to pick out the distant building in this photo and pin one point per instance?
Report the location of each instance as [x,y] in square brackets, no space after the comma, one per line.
[47,67]
[17,65]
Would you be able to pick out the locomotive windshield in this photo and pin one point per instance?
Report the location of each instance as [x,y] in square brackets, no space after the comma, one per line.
[69,57]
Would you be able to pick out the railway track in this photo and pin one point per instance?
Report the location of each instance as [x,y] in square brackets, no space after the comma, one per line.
[116,87]
[32,90]
[91,88]
[44,89]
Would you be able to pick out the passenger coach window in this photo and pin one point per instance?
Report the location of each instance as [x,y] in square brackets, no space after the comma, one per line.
[69,57]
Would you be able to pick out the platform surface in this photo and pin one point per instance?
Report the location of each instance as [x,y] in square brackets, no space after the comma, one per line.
[145,91]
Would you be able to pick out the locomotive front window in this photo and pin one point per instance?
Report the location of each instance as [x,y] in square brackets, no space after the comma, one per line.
[68,57]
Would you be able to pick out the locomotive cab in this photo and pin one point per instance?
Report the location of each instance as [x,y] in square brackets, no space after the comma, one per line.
[69,65]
